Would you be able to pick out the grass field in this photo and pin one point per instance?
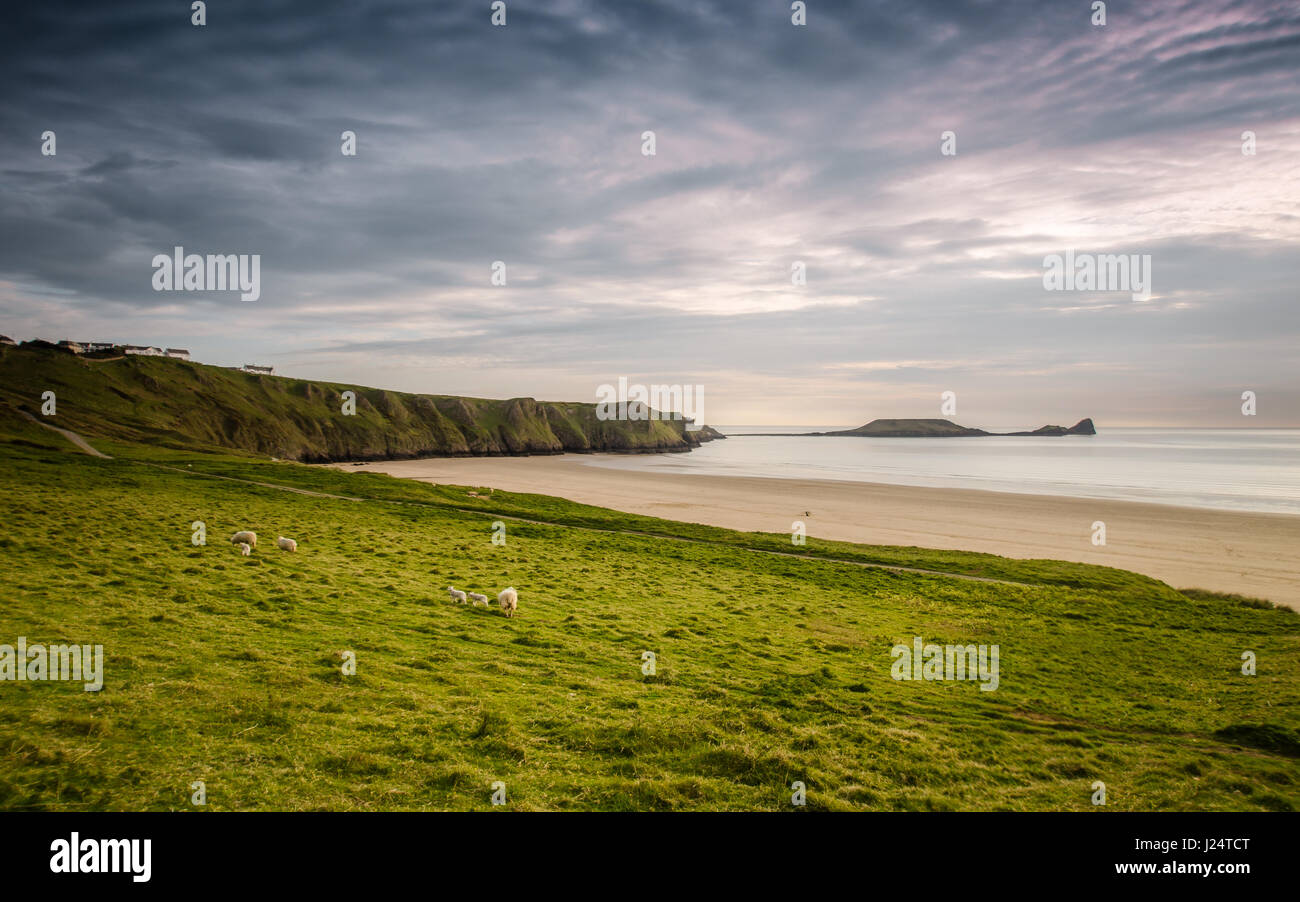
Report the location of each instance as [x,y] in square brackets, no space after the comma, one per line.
[770,668]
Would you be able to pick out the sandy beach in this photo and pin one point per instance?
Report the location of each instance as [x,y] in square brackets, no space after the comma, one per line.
[1248,553]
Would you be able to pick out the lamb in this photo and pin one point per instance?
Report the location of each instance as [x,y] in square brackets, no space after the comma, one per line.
[478,599]
[245,536]
[245,549]
[286,544]
[456,594]
[509,601]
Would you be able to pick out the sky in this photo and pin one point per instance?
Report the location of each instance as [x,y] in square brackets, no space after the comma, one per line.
[775,144]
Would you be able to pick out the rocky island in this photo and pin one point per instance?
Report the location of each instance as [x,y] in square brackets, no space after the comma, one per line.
[922,428]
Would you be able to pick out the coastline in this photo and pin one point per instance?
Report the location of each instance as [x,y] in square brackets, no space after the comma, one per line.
[1253,554]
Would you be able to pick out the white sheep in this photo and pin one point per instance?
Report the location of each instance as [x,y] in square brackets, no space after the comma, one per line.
[456,594]
[245,549]
[286,544]
[478,599]
[245,536]
[509,601]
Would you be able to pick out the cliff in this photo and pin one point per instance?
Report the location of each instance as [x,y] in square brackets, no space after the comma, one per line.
[179,404]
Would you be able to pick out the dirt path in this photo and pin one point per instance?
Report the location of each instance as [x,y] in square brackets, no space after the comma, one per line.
[69,435]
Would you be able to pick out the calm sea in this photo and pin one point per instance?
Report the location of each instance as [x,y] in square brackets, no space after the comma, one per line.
[1231,469]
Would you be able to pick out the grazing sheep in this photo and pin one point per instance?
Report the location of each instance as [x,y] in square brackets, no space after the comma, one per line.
[509,601]
[245,536]
[245,549]
[456,594]
[478,599]
[286,544]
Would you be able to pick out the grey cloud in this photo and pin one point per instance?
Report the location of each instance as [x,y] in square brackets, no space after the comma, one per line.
[775,144]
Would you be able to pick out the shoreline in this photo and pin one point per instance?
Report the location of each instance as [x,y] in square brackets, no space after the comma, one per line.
[1252,554]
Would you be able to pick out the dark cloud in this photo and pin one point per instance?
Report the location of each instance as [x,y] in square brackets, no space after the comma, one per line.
[775,144]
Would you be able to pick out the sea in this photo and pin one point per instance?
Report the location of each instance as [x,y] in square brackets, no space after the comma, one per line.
[1227,469]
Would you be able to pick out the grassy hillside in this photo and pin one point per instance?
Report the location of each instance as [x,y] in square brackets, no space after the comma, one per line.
[178,404]
[771,668]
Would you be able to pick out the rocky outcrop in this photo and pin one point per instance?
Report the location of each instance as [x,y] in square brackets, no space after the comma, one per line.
[939,429]
[1083,427]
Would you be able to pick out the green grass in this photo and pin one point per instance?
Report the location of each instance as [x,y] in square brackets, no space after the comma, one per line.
[378,487]
[771,668]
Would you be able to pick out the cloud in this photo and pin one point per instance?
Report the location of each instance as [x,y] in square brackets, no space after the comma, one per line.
[776,145]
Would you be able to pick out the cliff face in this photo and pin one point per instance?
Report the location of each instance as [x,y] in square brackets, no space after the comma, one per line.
[183,405]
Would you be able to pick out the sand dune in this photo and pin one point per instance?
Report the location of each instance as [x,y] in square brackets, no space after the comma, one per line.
[1253,554]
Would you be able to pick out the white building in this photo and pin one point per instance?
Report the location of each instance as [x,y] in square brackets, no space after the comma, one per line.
[178,353]
[259,370]
[143,351]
